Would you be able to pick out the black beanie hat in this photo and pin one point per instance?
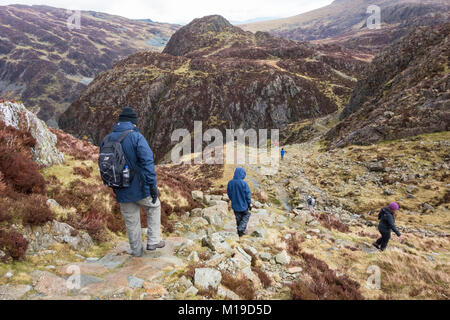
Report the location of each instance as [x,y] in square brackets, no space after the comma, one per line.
[128,115]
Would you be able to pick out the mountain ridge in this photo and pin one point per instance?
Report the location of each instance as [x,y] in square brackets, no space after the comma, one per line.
[343,22]
[46,64]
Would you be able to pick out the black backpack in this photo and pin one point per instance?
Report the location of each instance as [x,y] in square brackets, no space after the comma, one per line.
[112,162]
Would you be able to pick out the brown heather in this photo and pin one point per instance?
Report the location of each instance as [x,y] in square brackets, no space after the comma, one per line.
[239,285]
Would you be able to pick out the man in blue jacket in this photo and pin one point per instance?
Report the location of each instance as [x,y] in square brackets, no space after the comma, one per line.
[142,191]
[239,193]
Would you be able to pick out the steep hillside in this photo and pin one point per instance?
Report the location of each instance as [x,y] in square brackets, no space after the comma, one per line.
[236,79]
[404,92]
[344,22]
[46,65]
[51,193]
[288,253]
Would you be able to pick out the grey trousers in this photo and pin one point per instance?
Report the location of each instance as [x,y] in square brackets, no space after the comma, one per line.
[132,217]
[242,219]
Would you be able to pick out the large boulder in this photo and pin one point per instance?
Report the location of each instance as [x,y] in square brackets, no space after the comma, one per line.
[45,152]
[215,214]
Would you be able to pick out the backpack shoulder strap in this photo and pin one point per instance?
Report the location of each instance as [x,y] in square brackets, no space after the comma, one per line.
[124,135]
[106,139]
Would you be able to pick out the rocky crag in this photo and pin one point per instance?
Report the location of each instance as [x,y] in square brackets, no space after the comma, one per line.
[221,75]
[404,92]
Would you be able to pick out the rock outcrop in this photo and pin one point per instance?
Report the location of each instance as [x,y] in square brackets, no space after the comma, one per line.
[45,151]
[403,93]
[41,238]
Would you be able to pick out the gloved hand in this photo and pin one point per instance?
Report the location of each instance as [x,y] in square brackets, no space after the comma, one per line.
[250,207]
[154,193]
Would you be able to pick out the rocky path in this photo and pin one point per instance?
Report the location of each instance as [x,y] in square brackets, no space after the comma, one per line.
[290,181]
[117,275]
[205,239]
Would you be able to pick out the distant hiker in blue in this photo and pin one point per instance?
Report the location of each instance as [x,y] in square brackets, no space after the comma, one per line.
[141,190]
[239,193]
[282,153]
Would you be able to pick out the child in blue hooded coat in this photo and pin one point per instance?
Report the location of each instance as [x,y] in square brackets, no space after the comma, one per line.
[239,193]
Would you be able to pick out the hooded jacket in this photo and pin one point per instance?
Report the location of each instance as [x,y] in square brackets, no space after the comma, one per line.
[387,222]
[239,192]
[139,157]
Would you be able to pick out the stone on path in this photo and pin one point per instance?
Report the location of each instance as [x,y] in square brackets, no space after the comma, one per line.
[134,282]
[197,195]
[259,233]
[49,284]
[265,256]
[283,258]
[13,292]
[191,291]
[227,293]
[112,261]
[217,241]
[294,270]
[89,268]
[86,280]
[193,256]
[154,289]
[206,278]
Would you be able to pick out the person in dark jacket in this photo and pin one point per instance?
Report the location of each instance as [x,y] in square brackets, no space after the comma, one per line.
[239,193]
[143,191]
[387,223]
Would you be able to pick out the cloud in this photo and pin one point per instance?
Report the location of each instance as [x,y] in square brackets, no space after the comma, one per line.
[176,11]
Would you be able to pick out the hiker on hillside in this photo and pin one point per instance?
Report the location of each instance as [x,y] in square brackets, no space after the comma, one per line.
[239,193]
[387,223]
[138,184]
[283,152]
[311,202]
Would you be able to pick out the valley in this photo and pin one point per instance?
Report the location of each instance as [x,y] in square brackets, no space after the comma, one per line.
[363,116]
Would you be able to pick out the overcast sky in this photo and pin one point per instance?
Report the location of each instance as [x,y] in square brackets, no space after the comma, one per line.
[176,11]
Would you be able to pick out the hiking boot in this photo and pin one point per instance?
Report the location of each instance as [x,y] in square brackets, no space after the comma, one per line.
[152,247]
[376,245]
[241,233]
